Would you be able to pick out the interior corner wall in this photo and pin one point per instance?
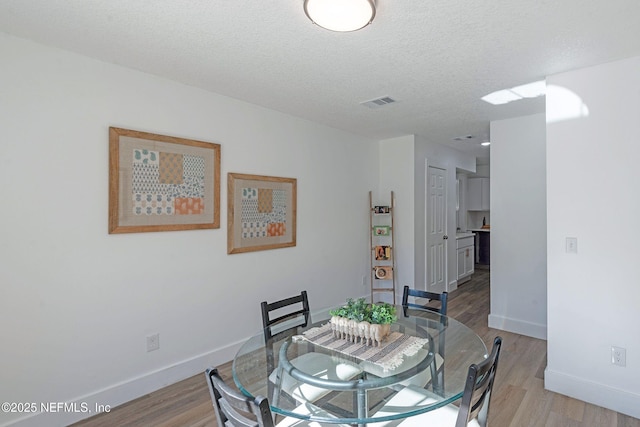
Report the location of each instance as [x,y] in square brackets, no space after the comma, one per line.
[518,226]
[77,303]
[438,155]
[397,175]
[593,123]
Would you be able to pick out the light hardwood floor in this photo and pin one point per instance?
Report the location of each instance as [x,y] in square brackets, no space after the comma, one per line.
[519,398]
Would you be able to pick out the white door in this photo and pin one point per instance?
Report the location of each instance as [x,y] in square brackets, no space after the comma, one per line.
[436,229]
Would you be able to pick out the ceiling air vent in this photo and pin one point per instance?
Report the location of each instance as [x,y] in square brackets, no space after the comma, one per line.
[463,138]
[379,102]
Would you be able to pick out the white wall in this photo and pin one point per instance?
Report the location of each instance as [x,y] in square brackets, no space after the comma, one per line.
[592,194]
[437,155]
[518,226]
[397,175]
[77,303]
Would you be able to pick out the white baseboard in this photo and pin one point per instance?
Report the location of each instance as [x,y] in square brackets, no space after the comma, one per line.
[598,394]
[518,326]
[117,394]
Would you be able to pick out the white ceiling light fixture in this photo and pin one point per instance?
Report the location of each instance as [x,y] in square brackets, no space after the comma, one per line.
[340,15]
[500,97]
[531,90]
[504,96]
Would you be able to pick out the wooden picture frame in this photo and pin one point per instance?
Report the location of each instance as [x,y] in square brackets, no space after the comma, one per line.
[381,210]
[261,212]
[382,253]
[381,230]
[162,183]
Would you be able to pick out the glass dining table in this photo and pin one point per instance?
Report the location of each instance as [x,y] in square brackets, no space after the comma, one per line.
[313,372]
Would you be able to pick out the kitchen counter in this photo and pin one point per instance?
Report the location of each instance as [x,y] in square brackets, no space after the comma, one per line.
[486,230]
[463,234]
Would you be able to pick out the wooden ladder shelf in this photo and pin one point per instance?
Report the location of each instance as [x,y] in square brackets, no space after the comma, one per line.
[382,245]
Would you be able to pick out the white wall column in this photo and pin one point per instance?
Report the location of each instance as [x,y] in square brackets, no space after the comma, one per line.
[593,123]
[518,226]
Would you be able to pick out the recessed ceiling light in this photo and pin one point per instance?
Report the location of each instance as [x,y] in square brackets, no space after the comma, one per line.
[500,97]
[530,90]
[504,96]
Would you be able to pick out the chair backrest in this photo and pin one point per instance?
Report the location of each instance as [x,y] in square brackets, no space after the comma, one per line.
[301,313]
[233,408]
[408,292]
[477,390]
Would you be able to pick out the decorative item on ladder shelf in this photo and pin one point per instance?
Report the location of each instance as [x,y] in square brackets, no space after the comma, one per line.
[383,272]
[383,253]
[381,240]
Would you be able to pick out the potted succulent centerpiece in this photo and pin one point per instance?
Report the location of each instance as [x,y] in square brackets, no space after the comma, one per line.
[358,320]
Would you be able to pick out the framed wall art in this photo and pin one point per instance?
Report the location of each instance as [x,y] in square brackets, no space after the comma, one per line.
[162,183]
[381,230]
[261,212]
[381,210]
[383,253]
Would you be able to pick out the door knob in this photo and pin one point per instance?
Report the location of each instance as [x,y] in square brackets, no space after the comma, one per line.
[445,237]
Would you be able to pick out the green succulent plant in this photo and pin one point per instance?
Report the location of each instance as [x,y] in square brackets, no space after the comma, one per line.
[360,310]
[340,311]
[383,314]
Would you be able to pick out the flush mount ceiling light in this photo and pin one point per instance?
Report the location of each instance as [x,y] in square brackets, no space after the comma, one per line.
[340,15]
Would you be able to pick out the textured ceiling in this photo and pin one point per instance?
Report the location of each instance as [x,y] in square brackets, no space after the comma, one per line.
[436,58]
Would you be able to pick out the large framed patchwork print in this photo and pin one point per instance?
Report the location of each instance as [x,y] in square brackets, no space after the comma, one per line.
[261,212]
[162,183]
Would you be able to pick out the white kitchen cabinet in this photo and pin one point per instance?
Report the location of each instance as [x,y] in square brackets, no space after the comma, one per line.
[466,257]
[478,194]
[469,261]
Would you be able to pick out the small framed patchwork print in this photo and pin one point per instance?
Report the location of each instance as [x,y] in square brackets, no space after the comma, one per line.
[261,212]
[162,183]
[381,230]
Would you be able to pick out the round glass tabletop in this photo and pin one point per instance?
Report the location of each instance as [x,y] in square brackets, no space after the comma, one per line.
[312,371]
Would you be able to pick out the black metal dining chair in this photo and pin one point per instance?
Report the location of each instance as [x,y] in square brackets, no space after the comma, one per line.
[474,407]
[298,314]
[430,296]
[234,409]
[477,392]
[280,320]
[435,376]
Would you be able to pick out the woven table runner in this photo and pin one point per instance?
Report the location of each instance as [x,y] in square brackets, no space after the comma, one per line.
[389,355]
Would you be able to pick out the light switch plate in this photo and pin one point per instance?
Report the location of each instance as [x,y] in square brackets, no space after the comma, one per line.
[572,245]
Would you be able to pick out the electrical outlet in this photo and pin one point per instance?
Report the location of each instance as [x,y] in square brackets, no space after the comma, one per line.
[619,356]
[153,342]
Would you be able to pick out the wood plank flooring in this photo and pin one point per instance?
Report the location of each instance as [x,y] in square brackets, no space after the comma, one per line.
[519,398]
